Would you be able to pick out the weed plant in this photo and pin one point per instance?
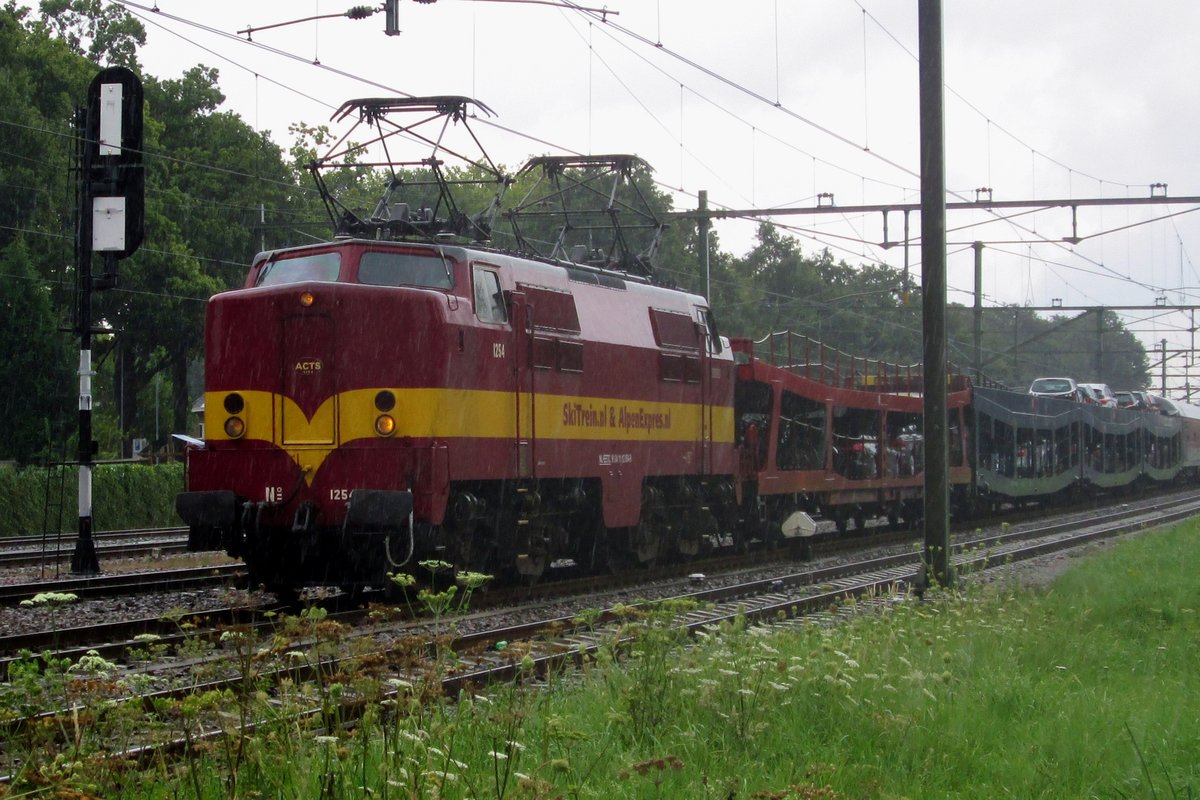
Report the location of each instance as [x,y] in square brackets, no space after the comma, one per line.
[1087,689]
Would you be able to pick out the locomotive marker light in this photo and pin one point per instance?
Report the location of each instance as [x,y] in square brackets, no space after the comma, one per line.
[109,220]
[385,423]
[235,427]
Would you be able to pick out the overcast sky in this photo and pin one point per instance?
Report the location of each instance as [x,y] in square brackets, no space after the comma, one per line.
[772,102]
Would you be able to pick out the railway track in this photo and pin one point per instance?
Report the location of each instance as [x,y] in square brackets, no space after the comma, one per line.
[125,582]
[485,654]
[109,637]
[54,549]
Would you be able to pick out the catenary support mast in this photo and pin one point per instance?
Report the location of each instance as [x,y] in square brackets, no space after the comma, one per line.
[933,283]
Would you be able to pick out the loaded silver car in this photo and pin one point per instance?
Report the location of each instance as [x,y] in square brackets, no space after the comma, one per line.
[1064,388]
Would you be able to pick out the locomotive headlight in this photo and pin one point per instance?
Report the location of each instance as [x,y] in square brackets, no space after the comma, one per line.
[385,400]
[385,425]
[235,428]
[306,299]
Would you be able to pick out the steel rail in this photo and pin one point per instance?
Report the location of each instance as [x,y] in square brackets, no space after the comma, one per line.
[124,583]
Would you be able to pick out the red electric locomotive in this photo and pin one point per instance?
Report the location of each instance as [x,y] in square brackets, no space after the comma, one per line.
[370,403]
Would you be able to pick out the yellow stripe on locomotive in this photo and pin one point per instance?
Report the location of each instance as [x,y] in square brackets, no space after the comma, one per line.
[450,413]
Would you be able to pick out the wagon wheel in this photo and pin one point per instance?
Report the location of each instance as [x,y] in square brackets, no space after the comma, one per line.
[801,547]
[531,566]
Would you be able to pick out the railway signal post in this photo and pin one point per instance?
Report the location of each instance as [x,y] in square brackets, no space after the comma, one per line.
[110,187]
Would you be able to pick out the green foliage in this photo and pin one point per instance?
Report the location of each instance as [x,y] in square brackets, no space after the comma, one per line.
[1019,346]
[38,361]
[36,103]
[103,32]
[124,496]
[50,599]
[870,310]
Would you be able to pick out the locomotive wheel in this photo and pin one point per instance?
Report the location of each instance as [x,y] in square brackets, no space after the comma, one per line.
[594,557]
[893,520]
[841,519]
[860,520]
[697,534]
[614,551]
[645,544]
[472,555]
[286,595]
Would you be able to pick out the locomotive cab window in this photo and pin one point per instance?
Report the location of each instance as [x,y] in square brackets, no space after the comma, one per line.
[405,269]
[709,322]
[674,330]
[297,269]
[489,301]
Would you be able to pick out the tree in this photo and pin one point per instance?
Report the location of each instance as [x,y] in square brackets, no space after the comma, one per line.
[864,311]
[1019,346]
[104,33]
[36,206]
[38,365]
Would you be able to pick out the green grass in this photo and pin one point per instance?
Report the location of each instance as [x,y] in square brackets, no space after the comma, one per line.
[1088,689]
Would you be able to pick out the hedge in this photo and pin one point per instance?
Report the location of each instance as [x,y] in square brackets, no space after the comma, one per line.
[124,496]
